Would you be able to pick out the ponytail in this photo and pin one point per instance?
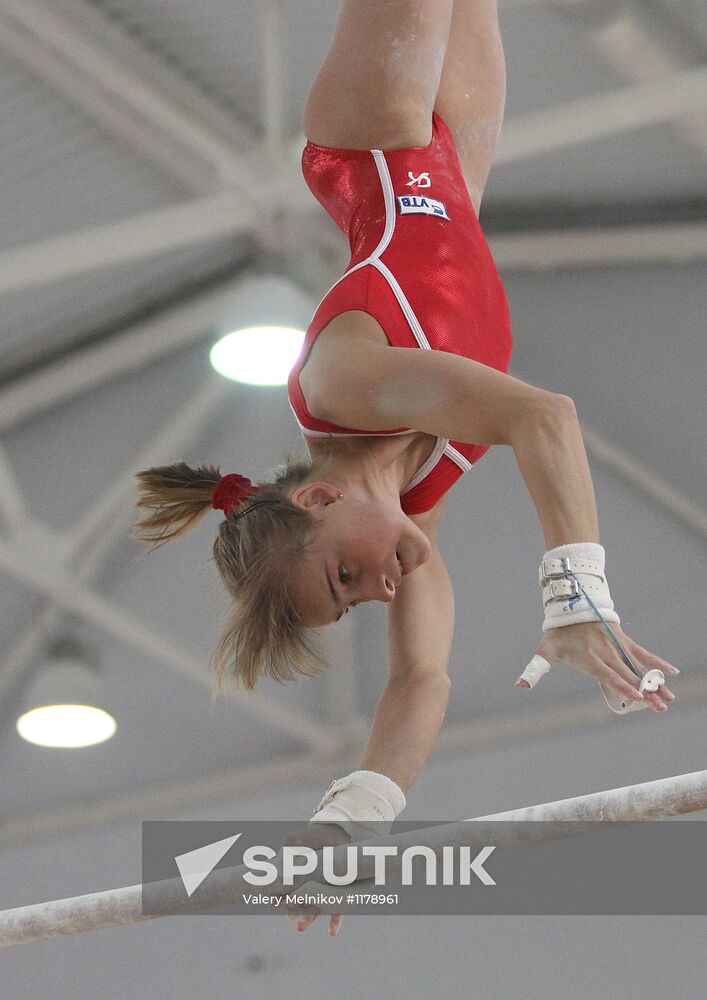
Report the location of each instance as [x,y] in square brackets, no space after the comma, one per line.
[256,546]
[177,496]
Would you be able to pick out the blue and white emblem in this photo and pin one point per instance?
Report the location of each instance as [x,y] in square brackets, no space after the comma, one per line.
[416,204]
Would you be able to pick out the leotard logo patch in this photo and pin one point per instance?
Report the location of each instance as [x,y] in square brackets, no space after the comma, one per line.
[416,204]
[423,181]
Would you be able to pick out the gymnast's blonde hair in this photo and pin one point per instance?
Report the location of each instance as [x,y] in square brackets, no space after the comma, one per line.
[263,633]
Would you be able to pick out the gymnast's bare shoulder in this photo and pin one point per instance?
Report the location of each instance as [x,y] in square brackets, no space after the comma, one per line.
[353,377]
[350,326]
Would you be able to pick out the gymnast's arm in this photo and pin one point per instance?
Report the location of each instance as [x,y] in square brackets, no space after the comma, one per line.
[411,709]
[374,387]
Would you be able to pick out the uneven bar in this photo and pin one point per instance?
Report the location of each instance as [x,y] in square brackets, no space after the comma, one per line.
[684,793]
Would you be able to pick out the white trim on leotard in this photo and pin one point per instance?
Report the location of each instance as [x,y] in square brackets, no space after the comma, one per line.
[456,456]
[341,434]
[428,466]
[442,447]
[374,259]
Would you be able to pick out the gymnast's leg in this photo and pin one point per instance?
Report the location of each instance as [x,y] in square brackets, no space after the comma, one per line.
[472,91]
[379,81]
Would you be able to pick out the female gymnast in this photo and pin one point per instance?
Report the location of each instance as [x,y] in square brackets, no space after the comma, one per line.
[401,387]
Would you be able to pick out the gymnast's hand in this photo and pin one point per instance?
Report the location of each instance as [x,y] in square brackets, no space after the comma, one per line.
[315,835]
[587,647]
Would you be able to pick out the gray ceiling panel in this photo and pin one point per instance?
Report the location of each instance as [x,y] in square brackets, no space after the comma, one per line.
[216,44]
[39,323]
[60,170]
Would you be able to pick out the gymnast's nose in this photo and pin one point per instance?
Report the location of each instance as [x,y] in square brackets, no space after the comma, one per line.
[378,587]
[385,587]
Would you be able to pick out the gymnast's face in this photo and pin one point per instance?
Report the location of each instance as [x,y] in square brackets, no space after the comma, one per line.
[362,548]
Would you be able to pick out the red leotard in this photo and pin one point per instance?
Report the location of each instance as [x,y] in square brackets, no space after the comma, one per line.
[420,265]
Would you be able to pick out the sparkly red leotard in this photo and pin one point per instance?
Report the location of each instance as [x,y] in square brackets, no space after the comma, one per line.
[420,265]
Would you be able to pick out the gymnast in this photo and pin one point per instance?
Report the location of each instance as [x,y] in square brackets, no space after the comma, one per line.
[402,385]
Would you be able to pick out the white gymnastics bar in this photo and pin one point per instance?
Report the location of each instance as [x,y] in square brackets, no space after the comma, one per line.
[685,793]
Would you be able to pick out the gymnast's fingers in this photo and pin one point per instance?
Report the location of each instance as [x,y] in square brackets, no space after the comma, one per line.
[607,675]
[303,922]
[302,916]
[655,699]
[536,669]
[665,693]
[649,660]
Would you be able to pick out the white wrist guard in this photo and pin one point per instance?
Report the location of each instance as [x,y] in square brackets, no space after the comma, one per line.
[575,590]
[563,600]
[362,801]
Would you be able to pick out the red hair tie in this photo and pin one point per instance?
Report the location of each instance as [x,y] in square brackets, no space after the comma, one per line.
[229,491]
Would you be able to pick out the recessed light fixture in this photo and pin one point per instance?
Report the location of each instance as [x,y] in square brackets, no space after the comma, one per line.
[63,702]
[257,355]
[262,324]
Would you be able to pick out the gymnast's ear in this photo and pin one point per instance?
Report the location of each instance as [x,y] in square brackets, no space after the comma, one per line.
[314,496]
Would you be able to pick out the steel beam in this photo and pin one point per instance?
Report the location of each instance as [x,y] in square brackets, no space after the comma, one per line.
[272,78]
[13,505]
[206,219]
[549,250]
[161,230]
[635,106]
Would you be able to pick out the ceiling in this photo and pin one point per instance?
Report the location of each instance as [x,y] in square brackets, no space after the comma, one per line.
[151,198]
